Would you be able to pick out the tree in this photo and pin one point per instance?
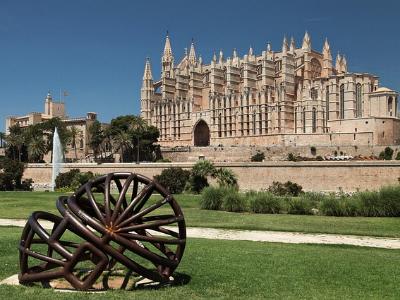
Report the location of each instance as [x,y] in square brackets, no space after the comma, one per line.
[36,149]
[2,139]
[48,131]
[96,137]
[15,142]
[140,135]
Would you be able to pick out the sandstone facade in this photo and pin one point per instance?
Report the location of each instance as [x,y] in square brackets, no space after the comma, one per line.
[293,97]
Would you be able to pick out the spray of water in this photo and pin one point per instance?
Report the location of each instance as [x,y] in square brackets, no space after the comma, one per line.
[57,158]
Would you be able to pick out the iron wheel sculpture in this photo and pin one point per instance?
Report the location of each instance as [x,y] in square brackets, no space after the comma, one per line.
[145,236]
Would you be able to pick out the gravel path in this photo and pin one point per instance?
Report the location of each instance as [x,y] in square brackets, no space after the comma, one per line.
[266,236]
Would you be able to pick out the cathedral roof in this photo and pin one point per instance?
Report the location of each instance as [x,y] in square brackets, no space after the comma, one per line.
[383,90]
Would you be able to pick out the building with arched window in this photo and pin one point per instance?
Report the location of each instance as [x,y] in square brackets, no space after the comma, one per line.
[294,96]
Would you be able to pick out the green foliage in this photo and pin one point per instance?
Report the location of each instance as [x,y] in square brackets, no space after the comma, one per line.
[163,160]
[174,179]
[287,188]
[11,178]
[319,158]
[197,183]
[390,199]
[203,168]
[299,206]
[291,157]
[265,203]
[233,201]
[131,133]
[65,179]
[96,137]
[398,156]
[80,179]
[226,177]
[212,198]
[387,154]
[259,156]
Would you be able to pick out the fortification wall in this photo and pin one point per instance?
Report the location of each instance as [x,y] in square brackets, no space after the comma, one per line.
[313,176]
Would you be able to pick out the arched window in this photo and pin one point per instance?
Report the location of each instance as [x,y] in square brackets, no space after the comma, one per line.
[390,106]
[341,102]
[327,103]
[314,94]
[314,120]
[304,119]
[358,112]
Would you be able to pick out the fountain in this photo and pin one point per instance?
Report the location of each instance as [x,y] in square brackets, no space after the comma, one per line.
[57,158]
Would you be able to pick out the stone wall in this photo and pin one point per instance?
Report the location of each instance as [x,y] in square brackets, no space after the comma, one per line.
[313,176]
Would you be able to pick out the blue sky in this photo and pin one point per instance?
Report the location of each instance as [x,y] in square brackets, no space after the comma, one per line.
[96,49]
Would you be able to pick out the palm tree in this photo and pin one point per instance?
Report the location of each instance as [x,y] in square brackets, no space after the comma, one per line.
[15,140]
[36,148]
[123,142]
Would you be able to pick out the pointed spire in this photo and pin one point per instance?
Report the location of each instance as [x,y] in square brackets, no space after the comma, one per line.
[221,57]
[214,57]
[167,47]
[192,53]
[338,62]
[251,51]
[292,45]
[344,64]
[268,47]
[306,42]
[326,48]
[147,70]
[285,45]
[234,53]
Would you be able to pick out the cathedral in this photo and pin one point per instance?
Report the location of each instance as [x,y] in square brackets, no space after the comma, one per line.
[297,96]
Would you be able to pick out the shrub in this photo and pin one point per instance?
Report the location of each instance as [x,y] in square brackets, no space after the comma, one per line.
[197,183]
[287,188]
[26,185]
[387,154]
[265,203]
[212,197]
[65,179]
[339,206]
[233,201]
[259,156]
[203,168]
[226,177]
[166,160]
[174,179]
[299,206]
[314,198]
[291,157]
[390,200]
[6,182]
[369,204]
[319,158]
[81,178]
[398,156]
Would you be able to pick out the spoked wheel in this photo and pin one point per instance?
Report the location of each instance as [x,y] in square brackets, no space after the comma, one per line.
[140,227]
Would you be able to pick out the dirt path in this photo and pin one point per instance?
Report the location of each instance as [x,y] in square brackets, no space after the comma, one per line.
[267,236]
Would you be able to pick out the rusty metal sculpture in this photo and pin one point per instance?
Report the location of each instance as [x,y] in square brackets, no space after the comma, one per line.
[145,236]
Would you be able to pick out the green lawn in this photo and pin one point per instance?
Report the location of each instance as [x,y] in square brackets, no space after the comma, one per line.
[248,270]
[21,204]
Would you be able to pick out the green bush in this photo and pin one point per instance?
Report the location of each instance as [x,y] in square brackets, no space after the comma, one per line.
[287,188]
[174,179]
[370,205]
[197,183]
[166,160]
[299,206]
[233,201]
[339,206]
[6,182]
[319,158]
[203,168]
[387,154]
[291,157]
[398,156]
[390,200]
[259,156]
[26,185]
[80,179]
[65,179]
[11,178]
[212,197]
[265,203]
[226,177]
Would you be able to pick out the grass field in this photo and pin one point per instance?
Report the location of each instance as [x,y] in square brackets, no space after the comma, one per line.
[248,270]
[21,204]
